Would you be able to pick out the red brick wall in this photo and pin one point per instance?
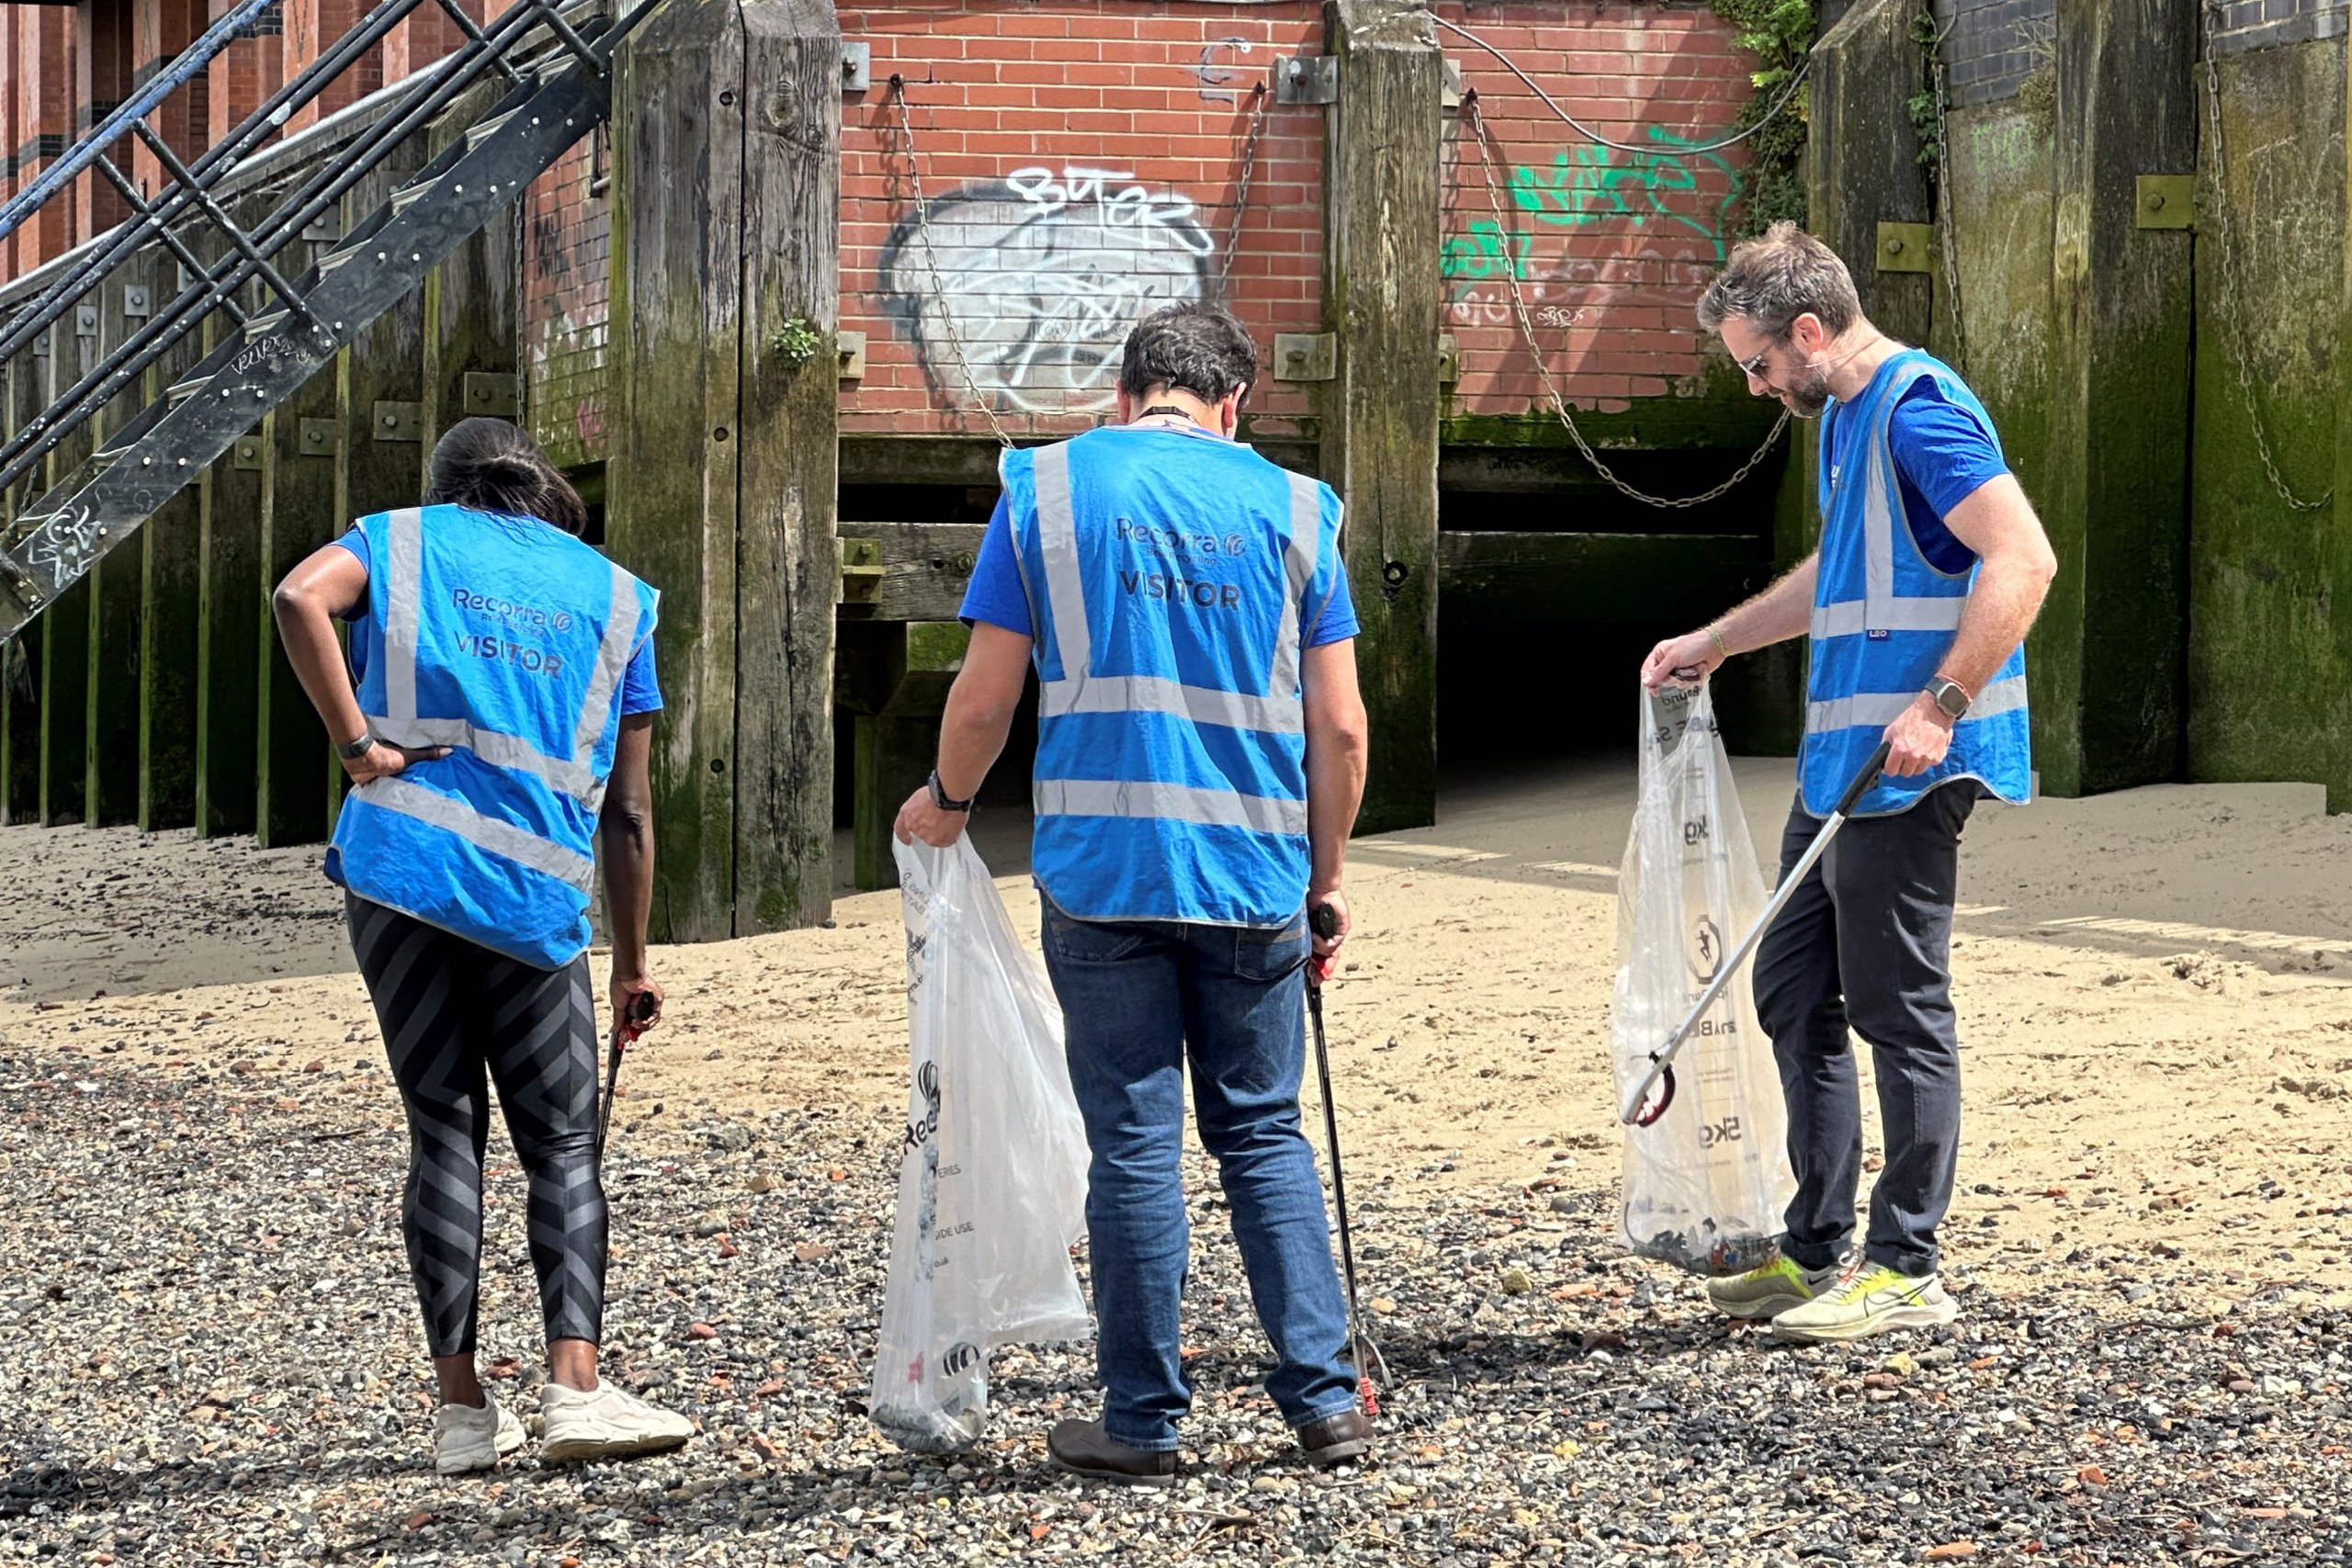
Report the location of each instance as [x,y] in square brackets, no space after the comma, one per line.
[1082,159]
[243,76]
[161,28]
[1612,248]
[46,88]
[567,274]
[103,64]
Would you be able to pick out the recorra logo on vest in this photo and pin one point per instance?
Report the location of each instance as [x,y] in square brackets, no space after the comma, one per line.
[1175,541]
[511,610]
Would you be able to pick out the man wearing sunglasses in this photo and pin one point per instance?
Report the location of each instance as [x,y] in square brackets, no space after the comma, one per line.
[1931,568]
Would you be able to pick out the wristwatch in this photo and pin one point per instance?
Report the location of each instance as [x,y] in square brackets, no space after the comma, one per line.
[352,750]
[1950,696]
[939,796]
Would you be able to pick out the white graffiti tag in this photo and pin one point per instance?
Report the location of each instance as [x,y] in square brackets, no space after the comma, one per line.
[1022,292]
[65,548]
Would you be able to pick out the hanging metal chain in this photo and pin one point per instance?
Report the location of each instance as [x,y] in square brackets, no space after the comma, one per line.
[930,260]
[2240,353]
[1943,210]
[1260,98]
[1544,371]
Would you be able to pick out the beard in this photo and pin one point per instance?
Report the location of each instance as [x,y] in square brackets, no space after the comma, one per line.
[1809,393]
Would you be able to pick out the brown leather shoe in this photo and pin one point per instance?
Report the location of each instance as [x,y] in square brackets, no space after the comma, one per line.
[1335,1439]
[1083,1447]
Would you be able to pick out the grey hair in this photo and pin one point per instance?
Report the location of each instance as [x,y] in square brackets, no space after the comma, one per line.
[1771,281]
[1191,346]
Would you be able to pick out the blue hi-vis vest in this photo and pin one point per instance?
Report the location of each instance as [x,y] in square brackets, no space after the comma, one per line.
[1172,579]
[1884,619]
[507,639]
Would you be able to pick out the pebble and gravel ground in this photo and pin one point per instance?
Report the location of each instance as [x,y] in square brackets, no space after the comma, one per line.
[209,1354]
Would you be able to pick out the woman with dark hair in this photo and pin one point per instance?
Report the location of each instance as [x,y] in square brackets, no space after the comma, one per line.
[495,720]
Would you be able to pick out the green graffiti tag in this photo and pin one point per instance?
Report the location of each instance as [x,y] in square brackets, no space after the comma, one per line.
[1485,251]
[1591,184]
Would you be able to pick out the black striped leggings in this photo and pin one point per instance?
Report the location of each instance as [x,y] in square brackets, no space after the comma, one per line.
[454,1013]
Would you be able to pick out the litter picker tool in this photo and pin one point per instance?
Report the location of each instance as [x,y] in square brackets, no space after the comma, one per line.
[1325,922]
[1648,1101]
[626,1029]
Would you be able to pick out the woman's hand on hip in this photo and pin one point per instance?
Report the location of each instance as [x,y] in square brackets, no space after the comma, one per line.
[383,759]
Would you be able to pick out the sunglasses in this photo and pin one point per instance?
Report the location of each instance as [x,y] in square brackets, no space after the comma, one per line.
[1755,366]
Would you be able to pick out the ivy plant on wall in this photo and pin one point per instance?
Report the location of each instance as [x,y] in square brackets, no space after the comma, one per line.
[1780,33]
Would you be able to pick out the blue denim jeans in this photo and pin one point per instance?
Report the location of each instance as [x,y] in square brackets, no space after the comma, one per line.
[1138,999]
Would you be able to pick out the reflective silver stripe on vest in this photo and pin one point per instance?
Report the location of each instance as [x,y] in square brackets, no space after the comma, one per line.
[520,845]
[1058,543]
[403,612]
[1878,524]
[612,657]
[1306,541]
[1164,802]
[1153,693]
[504,750]
[399,724]
[1853,617]
[1878,709]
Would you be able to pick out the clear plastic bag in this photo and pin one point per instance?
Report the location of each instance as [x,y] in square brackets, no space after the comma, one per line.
[1706,1185]
[992,1172]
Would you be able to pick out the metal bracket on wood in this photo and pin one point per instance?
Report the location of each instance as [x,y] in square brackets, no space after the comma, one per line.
[1305,356]
[1306,79]
[134,302]
[849,349]
[1449,359]
[1906,247]
[860,580]
[1449,90]
[319,437]
[858,67]
[398,422]
[2166,202]
[247,453]
[491,392]
[86,320]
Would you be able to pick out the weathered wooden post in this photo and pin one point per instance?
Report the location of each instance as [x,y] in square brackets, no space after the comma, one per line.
[234,635]
[20,660]
[469,309]
[118,593]
[2107,660]
[721,493]
[65,625]
[1380,412]
[171,590]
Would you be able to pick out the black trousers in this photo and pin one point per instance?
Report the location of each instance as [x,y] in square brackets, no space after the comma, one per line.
[455,1016]
[1865,946]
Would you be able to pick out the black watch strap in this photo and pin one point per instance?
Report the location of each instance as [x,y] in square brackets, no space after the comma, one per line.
[352,750]
[939,796]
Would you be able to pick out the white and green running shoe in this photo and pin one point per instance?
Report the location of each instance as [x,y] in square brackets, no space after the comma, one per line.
[1869,1297]
[1769,1289]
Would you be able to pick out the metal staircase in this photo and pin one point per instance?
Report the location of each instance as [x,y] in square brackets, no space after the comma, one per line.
[556,62]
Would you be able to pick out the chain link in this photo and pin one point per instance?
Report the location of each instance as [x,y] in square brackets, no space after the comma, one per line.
[1943,214]
[1544,371]
[2241,353]
[1260,97]
[931,261]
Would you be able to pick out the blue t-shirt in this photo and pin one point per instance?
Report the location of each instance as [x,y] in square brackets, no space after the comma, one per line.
[641,686]
[997,595]
[1941,458]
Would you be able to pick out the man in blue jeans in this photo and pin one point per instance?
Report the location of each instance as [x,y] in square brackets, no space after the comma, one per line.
[1200,760]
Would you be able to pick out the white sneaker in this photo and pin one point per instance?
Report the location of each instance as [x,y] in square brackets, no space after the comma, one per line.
[1869,1297]
[611,1422]
[466,1437]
